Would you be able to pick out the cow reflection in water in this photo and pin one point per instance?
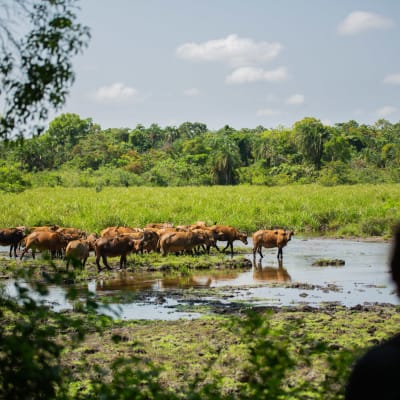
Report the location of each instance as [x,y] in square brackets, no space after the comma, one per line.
[270,274]
[148,282]
[129,281]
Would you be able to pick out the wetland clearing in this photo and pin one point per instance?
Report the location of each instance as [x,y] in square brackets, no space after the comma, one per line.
[317,318]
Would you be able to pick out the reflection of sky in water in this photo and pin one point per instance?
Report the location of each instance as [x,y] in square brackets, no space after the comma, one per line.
[363,278]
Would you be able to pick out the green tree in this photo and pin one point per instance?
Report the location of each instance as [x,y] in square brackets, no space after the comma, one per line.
[65,132]
[224,159]
[36,68]
[139,139]
[311,135]
[190,130]
[336,148]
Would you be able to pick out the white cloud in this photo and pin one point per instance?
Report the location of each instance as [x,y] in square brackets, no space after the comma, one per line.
[116,92]
[360,21]
[386,111]
[191,92]
[234,50]
[253,74]
[393,79]
[295,99]
[268,112]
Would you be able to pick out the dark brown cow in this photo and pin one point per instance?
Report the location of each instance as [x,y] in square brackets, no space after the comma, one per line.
[11,237]
[45,240]
[270,238]
[77,251]
[229,234]
[115,246]
[175,242]
[150,241]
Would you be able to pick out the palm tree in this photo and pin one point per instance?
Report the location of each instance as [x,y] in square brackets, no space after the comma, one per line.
[224,158]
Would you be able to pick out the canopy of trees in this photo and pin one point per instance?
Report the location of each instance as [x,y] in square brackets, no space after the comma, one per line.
[77,152]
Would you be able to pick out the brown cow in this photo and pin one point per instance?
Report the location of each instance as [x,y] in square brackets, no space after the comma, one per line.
[174,242]
[44,240]
[150,241]
[77,251]
[73,233]
[229,234]
[113,247]
[159,225]
[11,237]
[270,238]
[117,230]
[31,229]
[212,235]
[92,240]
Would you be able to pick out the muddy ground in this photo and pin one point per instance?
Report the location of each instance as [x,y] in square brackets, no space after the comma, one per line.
[322,342]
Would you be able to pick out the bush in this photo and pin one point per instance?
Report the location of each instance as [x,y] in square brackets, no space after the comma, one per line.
[335,173]
[13,180]
[378,226]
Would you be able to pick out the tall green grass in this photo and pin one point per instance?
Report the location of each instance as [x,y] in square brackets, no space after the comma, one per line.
[357,210]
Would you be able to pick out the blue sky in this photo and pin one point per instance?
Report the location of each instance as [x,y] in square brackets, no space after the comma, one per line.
[238,63]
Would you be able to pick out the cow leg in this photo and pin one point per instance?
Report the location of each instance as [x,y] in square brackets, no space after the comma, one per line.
[227,245]
[15,250]
[214,245]
[122,261]
[98,262]
[84,262]
[23,253]
[280,253]
[231,244]
[260,252]
[104,258]
[11,247]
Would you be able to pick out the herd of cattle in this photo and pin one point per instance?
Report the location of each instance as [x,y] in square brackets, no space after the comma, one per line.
[117,241]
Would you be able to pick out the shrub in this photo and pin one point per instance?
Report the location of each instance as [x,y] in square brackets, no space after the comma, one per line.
[12,179]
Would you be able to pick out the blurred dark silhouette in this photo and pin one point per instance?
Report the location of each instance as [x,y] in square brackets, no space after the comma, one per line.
[376,375]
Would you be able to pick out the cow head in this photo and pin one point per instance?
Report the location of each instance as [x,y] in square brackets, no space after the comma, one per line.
[243,237]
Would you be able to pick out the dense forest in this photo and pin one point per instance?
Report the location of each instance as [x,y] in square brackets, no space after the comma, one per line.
[77,152]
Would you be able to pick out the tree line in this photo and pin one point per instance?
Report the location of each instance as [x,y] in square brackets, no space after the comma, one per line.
[77,152]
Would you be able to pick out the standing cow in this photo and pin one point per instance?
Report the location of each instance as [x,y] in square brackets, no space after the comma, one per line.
[77,251]
[176,242]
[270,238]
[45,240]
[115,246]
[229,234]
[11,237]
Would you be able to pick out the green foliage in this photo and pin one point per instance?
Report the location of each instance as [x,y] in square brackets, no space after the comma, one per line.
[311,136]
[190,155]
[36,69]
[12,179]
[30,345]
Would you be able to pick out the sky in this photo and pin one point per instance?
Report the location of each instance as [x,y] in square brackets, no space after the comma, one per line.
[238,63]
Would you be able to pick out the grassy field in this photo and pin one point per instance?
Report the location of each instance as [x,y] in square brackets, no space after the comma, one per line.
[357,210]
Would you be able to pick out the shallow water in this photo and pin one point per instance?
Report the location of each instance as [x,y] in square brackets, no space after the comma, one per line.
[364,278]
